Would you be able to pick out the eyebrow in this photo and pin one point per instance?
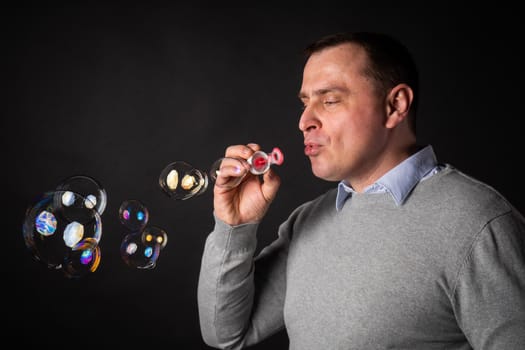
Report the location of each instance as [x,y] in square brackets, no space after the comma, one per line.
[324,91]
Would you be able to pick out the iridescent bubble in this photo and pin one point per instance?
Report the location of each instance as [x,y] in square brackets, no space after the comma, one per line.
[133,214]
[82,259]
[90,189]
[156,235]
[180,180]
[51,229]
[138,253]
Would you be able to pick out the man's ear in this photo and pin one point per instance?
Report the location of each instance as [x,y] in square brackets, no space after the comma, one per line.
[399,100]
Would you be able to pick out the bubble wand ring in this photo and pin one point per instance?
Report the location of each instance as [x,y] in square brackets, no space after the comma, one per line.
[260,161]
[257,164]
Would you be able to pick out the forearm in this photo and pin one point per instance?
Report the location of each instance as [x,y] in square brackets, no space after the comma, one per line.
[226,289]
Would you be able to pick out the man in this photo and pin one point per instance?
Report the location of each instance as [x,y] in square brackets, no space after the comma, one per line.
[406,253]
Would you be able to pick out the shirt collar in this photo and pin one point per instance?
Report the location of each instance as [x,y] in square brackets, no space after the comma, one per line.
[399,181]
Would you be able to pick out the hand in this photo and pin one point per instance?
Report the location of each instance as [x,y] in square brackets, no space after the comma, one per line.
[250,200]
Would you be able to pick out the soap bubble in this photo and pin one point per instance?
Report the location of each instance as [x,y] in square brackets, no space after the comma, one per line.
[133,214]
[138,252]
[155,234]
[180,180]
[58,223]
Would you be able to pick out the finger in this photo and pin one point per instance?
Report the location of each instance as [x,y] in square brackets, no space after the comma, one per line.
[235,165]
[230,172]
[254,146]
[231,167]
[241,151]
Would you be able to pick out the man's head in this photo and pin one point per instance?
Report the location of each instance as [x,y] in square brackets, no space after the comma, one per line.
[358,93]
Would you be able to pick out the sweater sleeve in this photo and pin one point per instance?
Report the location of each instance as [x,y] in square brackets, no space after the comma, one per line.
[240,297]
[490,288]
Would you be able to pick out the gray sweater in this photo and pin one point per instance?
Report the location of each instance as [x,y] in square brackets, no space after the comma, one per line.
[444,270]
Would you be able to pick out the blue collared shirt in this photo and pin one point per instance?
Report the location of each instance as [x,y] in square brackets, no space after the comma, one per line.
[400,180]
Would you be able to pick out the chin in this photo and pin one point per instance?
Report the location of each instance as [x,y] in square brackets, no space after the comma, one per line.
[323,174]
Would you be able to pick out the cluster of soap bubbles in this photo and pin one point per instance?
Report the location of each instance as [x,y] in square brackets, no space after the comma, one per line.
[63,228]
[141,247]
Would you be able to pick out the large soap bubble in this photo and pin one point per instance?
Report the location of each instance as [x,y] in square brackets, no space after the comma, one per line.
[59,225]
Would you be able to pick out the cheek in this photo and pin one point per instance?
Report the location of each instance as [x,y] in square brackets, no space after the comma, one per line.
[355,121]
[355,136]
[345,129]
[367,121]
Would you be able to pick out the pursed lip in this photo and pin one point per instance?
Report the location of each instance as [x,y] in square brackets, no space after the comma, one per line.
[311,148]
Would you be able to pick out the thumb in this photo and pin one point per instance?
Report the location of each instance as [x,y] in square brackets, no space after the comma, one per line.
[271,184]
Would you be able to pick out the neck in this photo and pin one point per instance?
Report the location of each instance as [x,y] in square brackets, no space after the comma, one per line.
[392,156]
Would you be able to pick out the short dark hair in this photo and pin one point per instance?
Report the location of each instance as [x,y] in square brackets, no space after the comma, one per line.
[390,62]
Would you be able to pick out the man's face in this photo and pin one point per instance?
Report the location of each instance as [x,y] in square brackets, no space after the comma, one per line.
[344,115]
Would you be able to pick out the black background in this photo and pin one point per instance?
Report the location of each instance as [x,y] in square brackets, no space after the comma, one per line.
[117,93]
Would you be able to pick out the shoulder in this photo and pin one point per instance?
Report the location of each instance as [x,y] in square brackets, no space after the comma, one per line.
[455,189]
